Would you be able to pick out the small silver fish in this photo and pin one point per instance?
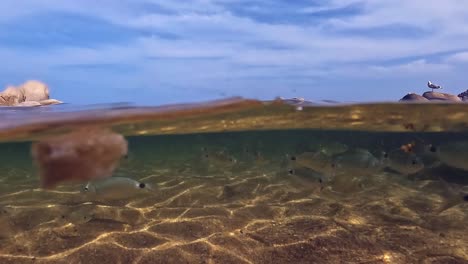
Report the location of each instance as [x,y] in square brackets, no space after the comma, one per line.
[217,158]
[317,161]
[333,148]
[357,162]
[402,162]
[308,176]
[78,215]
[454,154]
[354,161]
[115,188]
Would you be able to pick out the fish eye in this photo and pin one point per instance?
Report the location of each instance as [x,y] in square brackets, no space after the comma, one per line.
[414,162]
[86,189]
[142,185]
[293,157]
[433,149]
[291,171]
[465,198]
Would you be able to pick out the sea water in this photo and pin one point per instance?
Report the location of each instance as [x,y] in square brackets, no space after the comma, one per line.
[226,187]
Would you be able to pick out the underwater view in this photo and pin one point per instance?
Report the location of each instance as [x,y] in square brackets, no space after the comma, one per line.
[236,181]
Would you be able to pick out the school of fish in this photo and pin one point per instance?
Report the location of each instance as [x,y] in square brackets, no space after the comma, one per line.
[324,161]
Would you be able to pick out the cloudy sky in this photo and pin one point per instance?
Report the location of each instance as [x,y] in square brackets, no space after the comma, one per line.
[160,51]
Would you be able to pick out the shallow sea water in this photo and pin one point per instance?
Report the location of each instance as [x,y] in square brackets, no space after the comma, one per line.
[225,187]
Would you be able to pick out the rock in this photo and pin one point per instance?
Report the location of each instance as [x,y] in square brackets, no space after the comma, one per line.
[34,91]
[412,97]
[295,101]
[8,100]
[50,102]
[14,94]
[28,103]
[435,96]
[464,95]
[31,93]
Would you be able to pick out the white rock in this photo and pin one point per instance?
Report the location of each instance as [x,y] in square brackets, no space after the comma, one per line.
[13,95]
[35,91]
[50,102]
[28,103]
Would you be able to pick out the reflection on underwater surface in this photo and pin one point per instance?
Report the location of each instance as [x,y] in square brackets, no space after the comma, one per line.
[270,196]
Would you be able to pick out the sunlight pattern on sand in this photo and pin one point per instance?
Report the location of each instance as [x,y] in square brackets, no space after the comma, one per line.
[231,198]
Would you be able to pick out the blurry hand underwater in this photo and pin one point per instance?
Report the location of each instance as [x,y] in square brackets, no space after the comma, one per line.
[80,156]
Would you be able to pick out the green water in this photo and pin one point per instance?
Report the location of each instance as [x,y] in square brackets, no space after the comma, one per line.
[240,197]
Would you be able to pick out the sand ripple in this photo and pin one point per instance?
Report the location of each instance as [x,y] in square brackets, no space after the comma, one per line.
[260,218]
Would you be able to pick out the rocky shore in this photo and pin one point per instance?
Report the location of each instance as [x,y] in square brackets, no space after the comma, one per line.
[30,93]
[435,96]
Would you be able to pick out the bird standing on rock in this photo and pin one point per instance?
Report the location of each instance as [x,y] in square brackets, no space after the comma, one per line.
[433,86]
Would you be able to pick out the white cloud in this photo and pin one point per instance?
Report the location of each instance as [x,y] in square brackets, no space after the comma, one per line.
[206,23]
[329,6]
[223,48]
[421,13]
[411,68]
[461,57]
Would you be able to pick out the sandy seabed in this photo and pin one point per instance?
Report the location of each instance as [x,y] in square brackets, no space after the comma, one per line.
[255,215]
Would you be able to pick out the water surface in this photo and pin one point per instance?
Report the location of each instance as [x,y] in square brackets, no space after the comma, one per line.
[226,187]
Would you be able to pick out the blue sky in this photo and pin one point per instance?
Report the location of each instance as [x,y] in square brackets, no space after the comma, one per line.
[158,51]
